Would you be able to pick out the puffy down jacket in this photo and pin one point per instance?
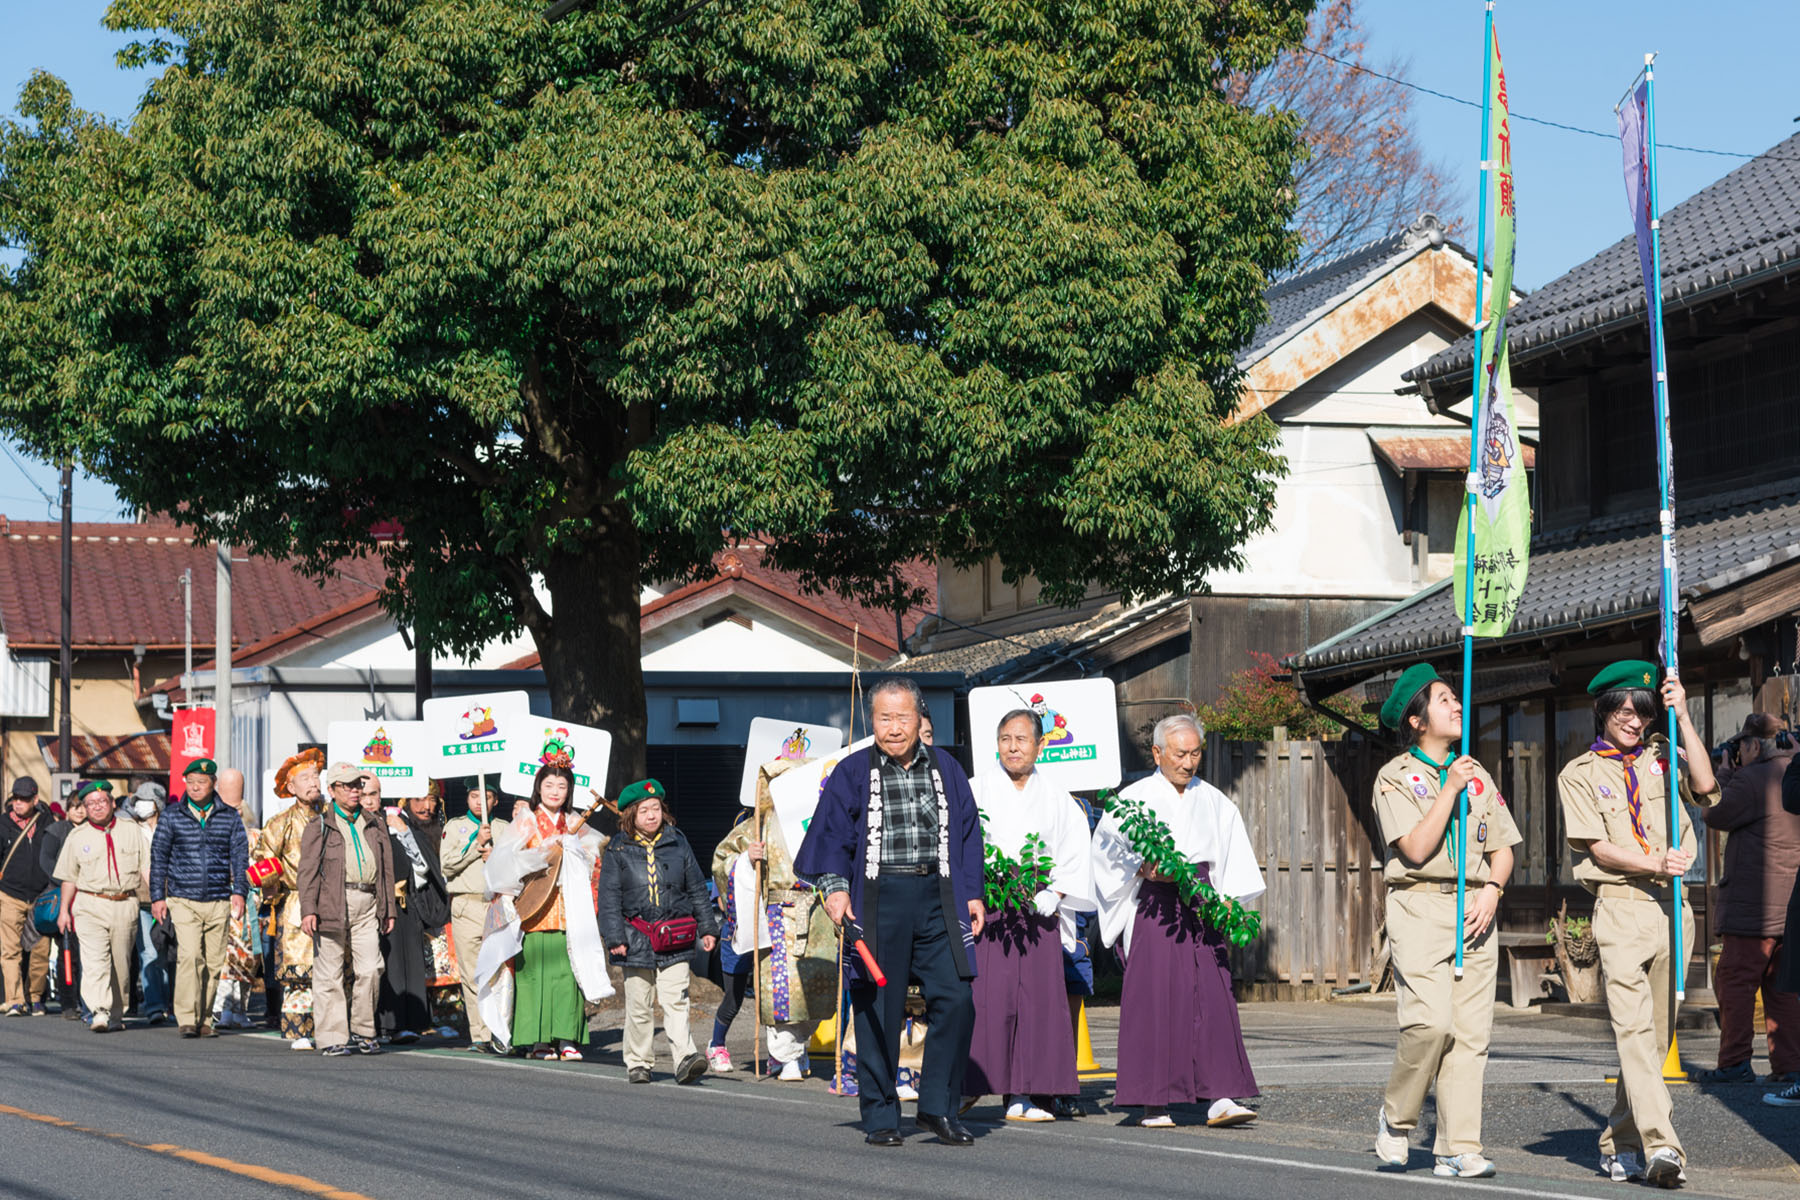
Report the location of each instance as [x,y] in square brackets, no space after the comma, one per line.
[199,862]
[625,893]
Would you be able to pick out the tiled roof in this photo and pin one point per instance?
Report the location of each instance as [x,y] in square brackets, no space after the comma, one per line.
[1594,574]
[128,592]
[145,753]
[1746,225]
[1295,303]
[744,570]
[1031,654]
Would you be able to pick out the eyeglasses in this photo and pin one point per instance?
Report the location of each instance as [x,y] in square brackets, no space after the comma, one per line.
[355,785]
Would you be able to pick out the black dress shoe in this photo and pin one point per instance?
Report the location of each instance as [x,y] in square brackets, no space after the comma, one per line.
[885,1137]
[949,1130]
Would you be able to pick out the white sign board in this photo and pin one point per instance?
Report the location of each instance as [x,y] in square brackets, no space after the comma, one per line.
[1078,724]
[795,794]
[582,748]
[772,738]
[395,752]
[472,735]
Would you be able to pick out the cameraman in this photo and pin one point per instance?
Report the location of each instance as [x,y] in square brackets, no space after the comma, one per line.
[1762,857]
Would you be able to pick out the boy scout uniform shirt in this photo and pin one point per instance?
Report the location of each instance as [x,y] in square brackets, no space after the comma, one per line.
[1406,789]
[82,860]
[1594,808]
[361,868]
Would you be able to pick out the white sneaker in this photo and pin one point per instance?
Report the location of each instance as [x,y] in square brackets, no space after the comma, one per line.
[905,1091]
[1390,1147]
[1464,1166]
[1622,1166]
[1229,1112]
[301,1043]
[1664,1169]
[1019,1110]
[792,1072]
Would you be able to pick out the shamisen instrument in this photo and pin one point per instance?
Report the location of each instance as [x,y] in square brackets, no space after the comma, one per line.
[538,891]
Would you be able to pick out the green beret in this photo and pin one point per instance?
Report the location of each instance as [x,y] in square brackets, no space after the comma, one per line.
[202,766]
[643,789]
[93,785]
[1631,673]
[1412,681]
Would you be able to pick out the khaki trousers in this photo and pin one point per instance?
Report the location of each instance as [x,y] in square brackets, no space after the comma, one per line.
[331,1023]
[1444,1021]
[468,918]
[1634,938]
[669,987]
[15,914]
[105,930]
[199,956]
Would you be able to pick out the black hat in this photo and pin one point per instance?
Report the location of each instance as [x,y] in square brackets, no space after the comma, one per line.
[25,788]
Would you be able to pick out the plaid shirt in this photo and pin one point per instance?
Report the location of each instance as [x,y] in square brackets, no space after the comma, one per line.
[909,832]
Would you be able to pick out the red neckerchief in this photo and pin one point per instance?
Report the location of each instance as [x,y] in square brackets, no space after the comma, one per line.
[548,826]
[112,857]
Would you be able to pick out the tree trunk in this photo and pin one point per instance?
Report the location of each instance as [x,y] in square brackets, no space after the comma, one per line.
[591,646]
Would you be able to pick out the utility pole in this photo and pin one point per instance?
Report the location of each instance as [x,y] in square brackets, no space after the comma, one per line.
[421,674]
[65,731]
[187,624]
[222,660]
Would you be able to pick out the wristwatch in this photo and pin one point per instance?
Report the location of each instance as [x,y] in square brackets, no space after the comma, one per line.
[1500,891]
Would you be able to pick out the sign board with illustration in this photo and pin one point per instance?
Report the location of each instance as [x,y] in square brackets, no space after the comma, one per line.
[1078,724]
[473,735]
[545,741]
[773,737]
[795,795]
[395,752]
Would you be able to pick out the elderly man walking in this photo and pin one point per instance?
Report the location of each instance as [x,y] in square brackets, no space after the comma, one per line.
[346,902]
[896,844]
[467,843]
[1762,857]
[198,860]
[22,881]
[99,867]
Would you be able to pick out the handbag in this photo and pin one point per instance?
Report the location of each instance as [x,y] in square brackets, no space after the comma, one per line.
[45,910]
[671,935]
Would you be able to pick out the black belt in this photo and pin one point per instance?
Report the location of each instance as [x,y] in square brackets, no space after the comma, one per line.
[928,868]
[360,887]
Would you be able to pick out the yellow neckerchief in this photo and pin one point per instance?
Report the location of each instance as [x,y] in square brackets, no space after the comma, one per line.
[649,845]
[355,833]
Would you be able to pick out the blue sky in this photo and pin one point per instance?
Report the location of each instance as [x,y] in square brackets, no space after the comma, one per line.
[1723,83]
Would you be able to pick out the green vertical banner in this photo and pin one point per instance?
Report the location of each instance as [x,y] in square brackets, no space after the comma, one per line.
[1502,509]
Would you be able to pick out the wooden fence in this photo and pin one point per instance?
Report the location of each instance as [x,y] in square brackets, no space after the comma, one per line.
[1307,808]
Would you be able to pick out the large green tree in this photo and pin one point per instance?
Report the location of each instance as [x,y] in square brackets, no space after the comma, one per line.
[571,303]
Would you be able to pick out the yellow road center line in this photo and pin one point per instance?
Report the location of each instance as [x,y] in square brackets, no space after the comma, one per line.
[297,1183]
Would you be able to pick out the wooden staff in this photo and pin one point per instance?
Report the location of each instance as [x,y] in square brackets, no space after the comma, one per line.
[756,954]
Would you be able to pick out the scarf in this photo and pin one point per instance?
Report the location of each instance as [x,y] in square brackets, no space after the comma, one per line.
[112,856]
[202,814]
[649,845]
[356,839]
[1633,802]
[1443,775]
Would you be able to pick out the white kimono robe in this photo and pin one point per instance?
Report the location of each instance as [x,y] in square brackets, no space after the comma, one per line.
[1010,814]
[1207,828]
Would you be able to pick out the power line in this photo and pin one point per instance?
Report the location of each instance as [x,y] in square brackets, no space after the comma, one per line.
[1516,115]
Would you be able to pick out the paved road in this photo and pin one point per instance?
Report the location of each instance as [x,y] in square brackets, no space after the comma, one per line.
[144,1114]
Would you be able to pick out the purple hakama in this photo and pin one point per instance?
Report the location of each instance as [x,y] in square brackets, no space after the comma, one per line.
[1024,1041]
[1179,1038]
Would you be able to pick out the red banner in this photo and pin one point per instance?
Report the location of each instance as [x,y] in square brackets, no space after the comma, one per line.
[191,738]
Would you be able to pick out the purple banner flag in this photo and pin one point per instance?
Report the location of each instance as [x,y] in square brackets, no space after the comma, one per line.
[1633,134]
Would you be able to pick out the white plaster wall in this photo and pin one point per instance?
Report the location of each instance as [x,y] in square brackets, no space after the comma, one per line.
[377,645]
[772,644]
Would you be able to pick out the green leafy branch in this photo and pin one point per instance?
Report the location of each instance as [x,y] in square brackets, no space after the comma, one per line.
[1152,841]
[1014,883]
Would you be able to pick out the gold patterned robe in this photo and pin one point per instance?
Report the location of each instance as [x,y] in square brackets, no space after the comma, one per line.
[280,840]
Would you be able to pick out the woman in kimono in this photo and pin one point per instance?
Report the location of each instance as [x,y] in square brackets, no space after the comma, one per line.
[1024,1045]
